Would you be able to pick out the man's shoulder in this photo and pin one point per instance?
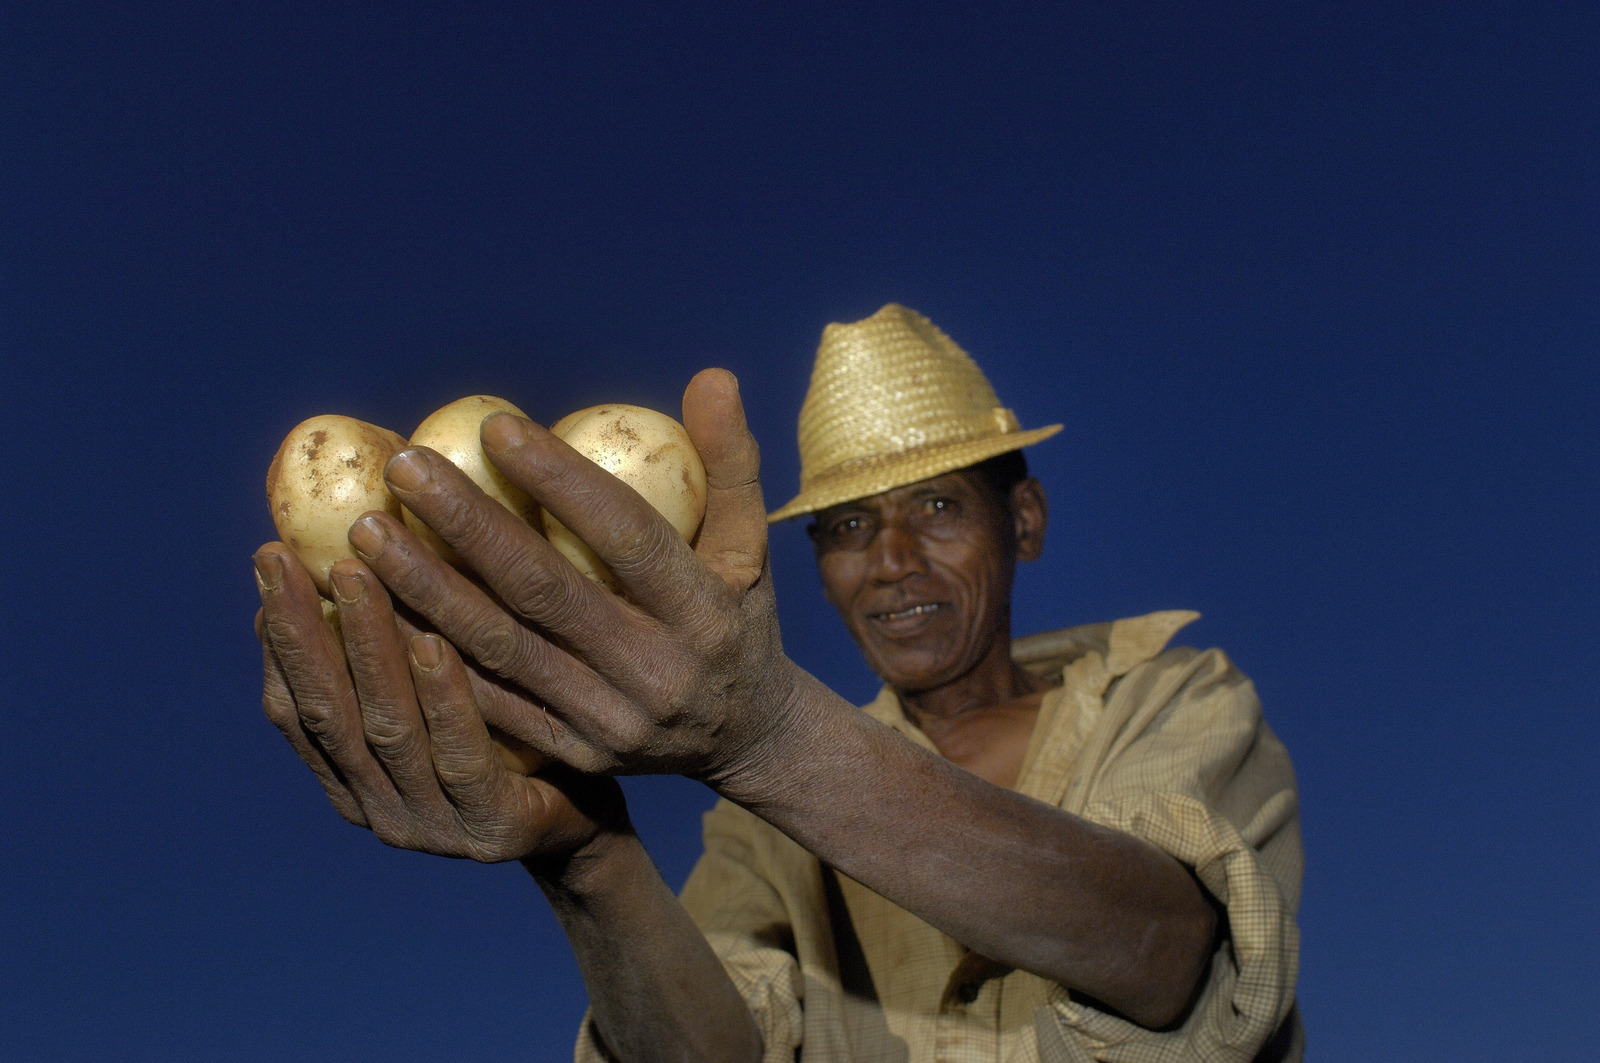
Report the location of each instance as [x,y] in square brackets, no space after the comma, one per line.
[1120,645]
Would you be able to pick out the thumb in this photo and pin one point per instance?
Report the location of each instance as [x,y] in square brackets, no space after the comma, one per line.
[733,537]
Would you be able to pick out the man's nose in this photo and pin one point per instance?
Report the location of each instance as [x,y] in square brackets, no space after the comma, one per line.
[895,554]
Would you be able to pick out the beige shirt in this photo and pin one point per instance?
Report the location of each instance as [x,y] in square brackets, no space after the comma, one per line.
[1168,745]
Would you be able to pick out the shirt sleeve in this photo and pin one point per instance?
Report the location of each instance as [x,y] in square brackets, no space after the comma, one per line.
[746,922]
[1194,770]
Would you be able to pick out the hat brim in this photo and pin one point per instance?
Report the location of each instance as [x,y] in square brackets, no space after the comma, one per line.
[864,479]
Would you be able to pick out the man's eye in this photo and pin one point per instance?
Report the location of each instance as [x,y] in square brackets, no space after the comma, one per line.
[848,533]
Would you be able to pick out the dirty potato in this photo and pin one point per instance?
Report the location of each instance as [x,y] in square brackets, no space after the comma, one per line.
[646,450]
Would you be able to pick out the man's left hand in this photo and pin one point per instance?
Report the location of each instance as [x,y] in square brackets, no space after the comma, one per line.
[684,674]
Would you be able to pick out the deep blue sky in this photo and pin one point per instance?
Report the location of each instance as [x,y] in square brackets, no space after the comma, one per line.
[1314,288]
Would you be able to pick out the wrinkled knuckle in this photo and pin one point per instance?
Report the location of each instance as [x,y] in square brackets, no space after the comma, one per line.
[447,512]
[494,852]
[549,478]
[487,538]
[725,628]
[279,709]
[631,736]
[466,783]
[489,844]
[669,696]
[644,549]
[567,611]
[711,633]
[325,724]
[680,708]
[390,739]
[284,634]
[497,643]
[317,723]
[532,591]
[409,576]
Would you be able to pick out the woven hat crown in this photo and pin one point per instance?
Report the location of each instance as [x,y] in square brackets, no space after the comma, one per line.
[893,401]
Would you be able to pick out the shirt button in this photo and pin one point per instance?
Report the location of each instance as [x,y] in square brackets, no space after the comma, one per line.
[967,992]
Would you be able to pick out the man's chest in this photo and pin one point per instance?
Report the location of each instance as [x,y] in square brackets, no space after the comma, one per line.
[991,742]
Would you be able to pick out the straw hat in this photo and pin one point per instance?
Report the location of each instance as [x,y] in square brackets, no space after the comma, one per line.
[893,401]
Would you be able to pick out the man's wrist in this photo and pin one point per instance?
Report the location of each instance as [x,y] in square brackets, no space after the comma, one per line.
[797,713]
[591,869]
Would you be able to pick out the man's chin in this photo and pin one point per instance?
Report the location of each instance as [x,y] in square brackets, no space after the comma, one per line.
[910,672]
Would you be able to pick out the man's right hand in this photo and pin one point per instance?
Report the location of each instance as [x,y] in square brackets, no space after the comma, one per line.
[397,739]
[396,736]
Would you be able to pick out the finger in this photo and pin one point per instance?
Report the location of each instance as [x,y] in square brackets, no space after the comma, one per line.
[319,682]
[504,550]
[464,759]
[514,718]
[733,537]
[482,628]
[504,815]
[391,720]
[278,704]
[649,558]
[521,718]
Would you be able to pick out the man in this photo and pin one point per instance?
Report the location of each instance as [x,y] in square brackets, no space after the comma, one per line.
[1036,874]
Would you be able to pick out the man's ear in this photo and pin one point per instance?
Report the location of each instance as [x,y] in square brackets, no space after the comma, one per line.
[1030,513]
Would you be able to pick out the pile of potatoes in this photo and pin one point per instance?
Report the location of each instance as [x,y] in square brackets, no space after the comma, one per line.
[329,471]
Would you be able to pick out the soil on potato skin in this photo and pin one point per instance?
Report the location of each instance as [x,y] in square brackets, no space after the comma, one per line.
[369,449]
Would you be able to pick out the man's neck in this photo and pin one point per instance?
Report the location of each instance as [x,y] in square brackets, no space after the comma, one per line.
[983,726]
[996,680]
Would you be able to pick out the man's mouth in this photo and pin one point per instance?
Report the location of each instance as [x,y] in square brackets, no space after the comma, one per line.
[913,611]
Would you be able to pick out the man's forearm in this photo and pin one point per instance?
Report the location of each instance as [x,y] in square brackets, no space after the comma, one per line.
[656,989]
[1010,877]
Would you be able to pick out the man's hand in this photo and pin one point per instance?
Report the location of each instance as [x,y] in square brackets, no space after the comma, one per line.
[396,736]
[397,739]
[684,674]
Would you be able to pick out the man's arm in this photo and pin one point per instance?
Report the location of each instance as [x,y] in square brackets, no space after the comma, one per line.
[656,990]
[397,740]
[688,675]
[1010,877]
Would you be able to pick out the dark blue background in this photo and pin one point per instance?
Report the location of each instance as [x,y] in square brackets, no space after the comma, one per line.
[1314,288]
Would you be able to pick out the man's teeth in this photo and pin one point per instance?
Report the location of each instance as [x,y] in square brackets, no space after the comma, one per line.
[915,610]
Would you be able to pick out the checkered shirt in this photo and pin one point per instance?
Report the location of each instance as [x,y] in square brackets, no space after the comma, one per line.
[1167,745]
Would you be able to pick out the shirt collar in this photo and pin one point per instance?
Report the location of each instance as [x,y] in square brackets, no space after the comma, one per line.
[1120,645]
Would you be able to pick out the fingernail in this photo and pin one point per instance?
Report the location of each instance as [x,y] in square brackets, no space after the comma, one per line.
[502,431]
[407,470]
[347,588]
[426,651]
[269,572]
[369,538]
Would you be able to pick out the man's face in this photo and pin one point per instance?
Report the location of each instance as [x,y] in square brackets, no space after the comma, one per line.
[922,576]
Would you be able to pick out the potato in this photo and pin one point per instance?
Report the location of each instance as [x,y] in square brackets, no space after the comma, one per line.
[453,432]
[646,450]
[515,754]
[327,472]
